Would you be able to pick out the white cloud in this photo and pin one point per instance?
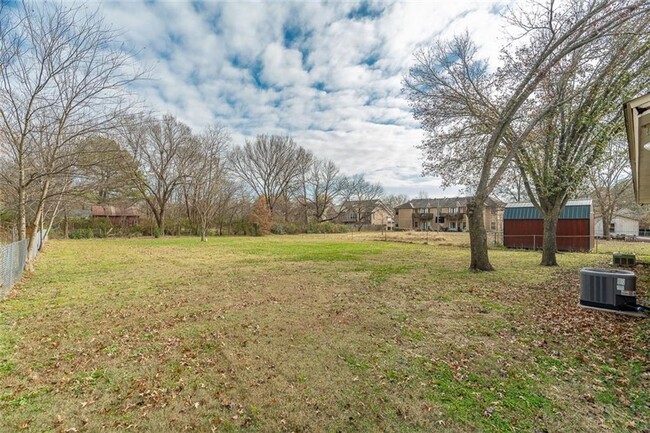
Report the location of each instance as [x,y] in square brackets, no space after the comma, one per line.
[306,69]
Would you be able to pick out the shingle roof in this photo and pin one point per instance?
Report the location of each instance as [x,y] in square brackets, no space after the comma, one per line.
[114,211]
[366,205]
[444,202]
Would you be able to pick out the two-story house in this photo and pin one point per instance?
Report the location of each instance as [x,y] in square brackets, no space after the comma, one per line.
[368,213]
[445,214]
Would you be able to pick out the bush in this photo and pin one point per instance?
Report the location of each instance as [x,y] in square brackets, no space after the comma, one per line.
[316,228]
[86,233]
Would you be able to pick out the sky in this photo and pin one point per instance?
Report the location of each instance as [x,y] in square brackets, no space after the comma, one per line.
[327,74]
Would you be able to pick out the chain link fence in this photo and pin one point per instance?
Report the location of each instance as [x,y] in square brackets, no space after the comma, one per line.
[12,261]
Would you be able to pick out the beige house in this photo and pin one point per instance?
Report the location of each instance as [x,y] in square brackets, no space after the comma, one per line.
[366,213]
[446,214]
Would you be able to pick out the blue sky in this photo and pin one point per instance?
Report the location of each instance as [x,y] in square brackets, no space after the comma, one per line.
[328,74]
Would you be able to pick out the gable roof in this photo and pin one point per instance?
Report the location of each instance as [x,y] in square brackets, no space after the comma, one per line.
[420,203]
[365,205]
[574,209]
[114,211]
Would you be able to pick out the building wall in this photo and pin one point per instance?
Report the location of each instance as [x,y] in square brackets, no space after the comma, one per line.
[404,219]
[493,218]
[622,226]
[380,217]
[572,234]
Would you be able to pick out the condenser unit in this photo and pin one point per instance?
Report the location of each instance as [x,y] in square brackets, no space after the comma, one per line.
[611,289]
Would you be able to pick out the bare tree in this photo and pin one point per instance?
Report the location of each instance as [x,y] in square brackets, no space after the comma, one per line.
[323,184]
[62,79]
[393,200]
[269,165]
[611,179]
[208,177]
[474,119]
[162,154]
[360,198]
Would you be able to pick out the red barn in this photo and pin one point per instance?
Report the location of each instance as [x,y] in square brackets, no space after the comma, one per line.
[523,226]
[117,216]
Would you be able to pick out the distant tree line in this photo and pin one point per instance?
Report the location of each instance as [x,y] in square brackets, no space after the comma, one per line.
[71,136]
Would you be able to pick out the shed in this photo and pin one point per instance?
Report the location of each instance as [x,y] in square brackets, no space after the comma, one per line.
[128,216]
[523,226]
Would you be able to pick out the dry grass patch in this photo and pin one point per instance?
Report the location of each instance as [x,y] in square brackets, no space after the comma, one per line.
[308,333]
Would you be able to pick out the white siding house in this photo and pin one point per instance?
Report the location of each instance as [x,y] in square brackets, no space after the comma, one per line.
[621,225]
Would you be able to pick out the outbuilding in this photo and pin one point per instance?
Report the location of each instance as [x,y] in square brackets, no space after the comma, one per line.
[523,226]
[623,224]
[117,216]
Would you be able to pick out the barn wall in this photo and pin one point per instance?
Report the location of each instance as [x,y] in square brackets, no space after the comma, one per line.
[572,234]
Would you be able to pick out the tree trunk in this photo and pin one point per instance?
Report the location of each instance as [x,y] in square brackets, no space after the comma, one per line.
[606,223]
[204,237]
[38,218]
[160,221]
[22,213]
[66,232]
[479,260]
[549,247]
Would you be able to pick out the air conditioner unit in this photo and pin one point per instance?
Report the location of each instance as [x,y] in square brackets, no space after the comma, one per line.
[610,289]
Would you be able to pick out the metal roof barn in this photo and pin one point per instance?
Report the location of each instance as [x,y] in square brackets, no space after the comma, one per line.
[523,226]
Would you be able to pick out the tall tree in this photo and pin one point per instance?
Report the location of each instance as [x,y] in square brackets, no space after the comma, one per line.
[163,153]
[62,77]
[323,184]
[360,196]
[593,81]
[208,177]
[476,119]
[269,165]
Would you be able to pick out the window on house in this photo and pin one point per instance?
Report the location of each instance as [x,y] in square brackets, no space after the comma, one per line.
[416,224]
[612,228]
[493,225]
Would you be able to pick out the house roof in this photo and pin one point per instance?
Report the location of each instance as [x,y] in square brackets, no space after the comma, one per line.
[114,211]
[366,205]
[445,202]
[574,209]
[626,213]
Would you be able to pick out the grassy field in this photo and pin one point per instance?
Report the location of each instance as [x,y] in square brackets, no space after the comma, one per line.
[314,333]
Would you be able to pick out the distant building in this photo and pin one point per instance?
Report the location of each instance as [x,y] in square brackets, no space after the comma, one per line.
[523,226]
[445,214]
[368,213]
[623,224]
[117,216]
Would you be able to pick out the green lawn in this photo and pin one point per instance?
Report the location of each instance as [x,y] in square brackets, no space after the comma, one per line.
[313,333]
